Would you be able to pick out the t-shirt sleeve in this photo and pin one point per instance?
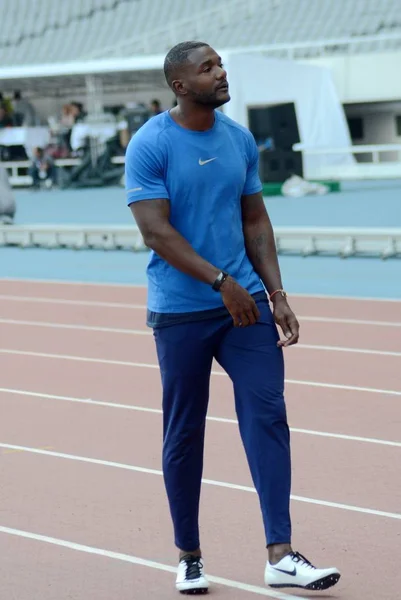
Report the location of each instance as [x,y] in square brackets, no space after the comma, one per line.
[253,185]
[144,172]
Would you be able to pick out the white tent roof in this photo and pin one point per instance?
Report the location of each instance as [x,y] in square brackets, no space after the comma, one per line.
[47,79]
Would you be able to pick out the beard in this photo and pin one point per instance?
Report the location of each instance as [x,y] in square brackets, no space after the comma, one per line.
[212,100]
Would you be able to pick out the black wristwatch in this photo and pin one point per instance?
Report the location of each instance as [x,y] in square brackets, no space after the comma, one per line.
[220,279]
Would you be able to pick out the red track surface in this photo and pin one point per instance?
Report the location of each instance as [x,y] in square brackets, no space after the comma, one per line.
[347,492]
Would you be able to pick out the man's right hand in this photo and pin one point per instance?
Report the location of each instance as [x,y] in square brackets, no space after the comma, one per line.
[239,303]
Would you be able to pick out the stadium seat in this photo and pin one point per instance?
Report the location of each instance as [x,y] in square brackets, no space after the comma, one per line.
[151,26]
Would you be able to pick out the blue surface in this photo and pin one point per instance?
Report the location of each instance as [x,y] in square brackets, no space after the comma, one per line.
[371,204]
[368,205]
[361,277]
[97,206]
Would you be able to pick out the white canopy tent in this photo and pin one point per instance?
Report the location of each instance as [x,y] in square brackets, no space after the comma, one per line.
[56,77]
[256,80]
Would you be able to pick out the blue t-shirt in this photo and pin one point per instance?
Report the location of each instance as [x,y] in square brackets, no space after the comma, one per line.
[203,174]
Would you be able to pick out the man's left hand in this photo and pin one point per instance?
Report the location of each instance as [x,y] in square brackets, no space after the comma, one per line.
[288,322]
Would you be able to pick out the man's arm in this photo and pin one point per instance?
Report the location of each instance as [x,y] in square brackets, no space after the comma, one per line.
[259,241]
[152,218]
[147,197]
[261,249]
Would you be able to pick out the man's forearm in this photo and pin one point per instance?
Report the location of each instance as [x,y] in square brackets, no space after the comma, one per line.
[175,250]
[261,249]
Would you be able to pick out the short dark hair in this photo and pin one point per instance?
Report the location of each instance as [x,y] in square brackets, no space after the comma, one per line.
[177,57]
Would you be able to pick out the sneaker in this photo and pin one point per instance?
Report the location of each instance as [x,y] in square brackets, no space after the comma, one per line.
[190,576]
[294,570]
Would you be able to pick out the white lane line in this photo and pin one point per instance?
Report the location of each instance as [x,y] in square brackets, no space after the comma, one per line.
[76,327]
[341,436]
[347,349]
[341,297]
[158,411]
[123,363]
[213,482]
[142,562]
[128,286]
[347,321]
[147,332]
[45,300]
[73,283]
[339,386]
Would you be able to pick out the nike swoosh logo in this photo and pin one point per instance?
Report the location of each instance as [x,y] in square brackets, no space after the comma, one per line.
[204,162]
[293,572]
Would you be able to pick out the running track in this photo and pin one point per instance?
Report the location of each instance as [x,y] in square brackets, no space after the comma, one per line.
[83,512]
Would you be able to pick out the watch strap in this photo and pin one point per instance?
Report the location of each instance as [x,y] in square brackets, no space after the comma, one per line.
[220,279]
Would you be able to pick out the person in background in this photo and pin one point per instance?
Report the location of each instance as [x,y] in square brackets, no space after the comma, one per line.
[42,169]
[155,108]
[6,103]
[8,205]
[77,112]
[24,111]
[5,119]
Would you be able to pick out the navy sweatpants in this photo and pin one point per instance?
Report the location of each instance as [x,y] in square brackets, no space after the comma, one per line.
[255,365]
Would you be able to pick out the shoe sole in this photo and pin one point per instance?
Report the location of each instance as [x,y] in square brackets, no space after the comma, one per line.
[321,584]
[194,591]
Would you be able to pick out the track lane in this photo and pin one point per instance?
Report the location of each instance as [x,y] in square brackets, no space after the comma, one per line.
[368,370]
[127,322]
[325,409]
[357,308]
[136,438]
[127,512]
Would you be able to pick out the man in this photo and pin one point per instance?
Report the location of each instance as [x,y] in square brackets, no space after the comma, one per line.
[24,111]
[42,169]
[5,118]
[7,199]
[155,107]
[193,187]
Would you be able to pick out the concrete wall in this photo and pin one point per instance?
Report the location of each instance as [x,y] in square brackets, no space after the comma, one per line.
[365,77]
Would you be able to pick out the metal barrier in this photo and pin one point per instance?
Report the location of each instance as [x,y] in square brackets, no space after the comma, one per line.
[72,236]
[374,169]
[306,241]
[340,241]
[17,170]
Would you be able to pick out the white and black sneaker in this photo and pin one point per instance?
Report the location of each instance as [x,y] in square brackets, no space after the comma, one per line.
[294,570]
[190,576]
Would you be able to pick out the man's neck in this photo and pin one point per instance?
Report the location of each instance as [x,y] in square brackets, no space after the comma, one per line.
[198,119]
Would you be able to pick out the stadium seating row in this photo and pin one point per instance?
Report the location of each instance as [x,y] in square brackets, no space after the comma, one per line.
[53,32]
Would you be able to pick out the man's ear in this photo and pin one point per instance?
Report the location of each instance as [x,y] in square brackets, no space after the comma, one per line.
[179,87]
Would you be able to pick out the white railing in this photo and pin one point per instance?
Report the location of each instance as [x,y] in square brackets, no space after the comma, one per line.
[77,237]
[374,149]
[17,169]
[340,241]
[375,169]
